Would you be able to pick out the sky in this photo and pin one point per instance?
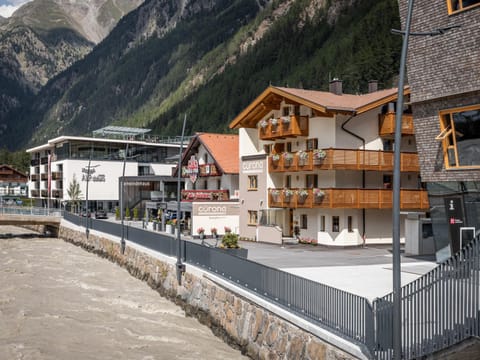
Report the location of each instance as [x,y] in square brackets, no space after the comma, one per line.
[7,7]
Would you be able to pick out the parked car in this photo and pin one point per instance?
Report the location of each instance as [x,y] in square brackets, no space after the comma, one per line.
[85,213]
[101,214]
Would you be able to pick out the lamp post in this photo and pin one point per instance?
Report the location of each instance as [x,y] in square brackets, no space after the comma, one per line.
[397,287]
[180,266]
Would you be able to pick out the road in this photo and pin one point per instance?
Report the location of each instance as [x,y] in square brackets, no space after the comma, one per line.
[58,301]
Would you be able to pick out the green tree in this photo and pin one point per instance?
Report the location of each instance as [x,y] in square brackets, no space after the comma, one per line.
[74,193]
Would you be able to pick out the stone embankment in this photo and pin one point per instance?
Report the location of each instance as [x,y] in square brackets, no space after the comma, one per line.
[256,331]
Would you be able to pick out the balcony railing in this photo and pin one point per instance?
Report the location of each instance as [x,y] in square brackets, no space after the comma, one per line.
[44,176]
[205,195]
[341,159]
[387,124]
[34,162]
[35,193]
[35,177]
[283,127]
[44,193]
[334,198]
[44,160]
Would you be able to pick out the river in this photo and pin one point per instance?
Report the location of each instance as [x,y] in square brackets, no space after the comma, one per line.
[58,301]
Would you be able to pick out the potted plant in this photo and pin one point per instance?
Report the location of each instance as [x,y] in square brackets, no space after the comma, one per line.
[127,213]
[302,157]
[230,245]
[274,121]
[302,195]
[169,226]
[319,155]
[286,120]
[318,194]
[287,158]
[275,157]
[227,229]
[117,213]
[135,214]
[214,232]
[275,195]
[201,232]
[263,124]
[288,193]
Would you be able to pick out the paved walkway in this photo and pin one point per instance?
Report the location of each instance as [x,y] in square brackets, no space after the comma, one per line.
[364,271]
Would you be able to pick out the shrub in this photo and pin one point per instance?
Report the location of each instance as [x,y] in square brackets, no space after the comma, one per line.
[230,241]
[135,213]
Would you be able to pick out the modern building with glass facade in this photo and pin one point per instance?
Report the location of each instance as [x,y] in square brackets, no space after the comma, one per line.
[97,164]
[444,78]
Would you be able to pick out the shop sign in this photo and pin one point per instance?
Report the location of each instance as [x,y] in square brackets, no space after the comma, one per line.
[91,177]
[455,217]
[254,166]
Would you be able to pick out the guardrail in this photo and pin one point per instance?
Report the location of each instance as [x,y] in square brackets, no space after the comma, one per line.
[345,314]
[439,309]
[23,210]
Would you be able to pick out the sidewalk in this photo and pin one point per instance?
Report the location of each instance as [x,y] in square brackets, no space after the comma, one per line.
[362,271]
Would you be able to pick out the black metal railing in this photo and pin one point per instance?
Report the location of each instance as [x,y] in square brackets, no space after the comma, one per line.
[439,309]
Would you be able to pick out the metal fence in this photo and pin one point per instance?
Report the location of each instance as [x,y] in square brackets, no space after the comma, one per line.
[439,309]
[346,314]
[23,210]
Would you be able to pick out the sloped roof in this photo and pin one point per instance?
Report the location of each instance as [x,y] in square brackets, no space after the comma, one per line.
[224,150]
[8,173]
[323,102]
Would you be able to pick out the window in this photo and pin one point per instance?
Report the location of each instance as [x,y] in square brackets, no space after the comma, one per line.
[219,184]
[296,110]
[288,181]
[312,144]
[267,148]
[335,224]
[289,146]
[311,181]
[252,182]
[303,221]
[252,217]
[322,223]
[350,224]
[460,5]
[286,111]
[460,137]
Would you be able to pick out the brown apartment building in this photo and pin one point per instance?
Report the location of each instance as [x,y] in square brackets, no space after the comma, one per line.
[444,77]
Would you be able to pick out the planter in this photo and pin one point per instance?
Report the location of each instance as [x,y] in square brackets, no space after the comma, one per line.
[241,252]
[169,228]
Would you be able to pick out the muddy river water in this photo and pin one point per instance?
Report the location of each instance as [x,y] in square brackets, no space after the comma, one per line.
[58,301]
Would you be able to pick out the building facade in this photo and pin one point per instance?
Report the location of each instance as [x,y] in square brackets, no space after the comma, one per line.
[96,165]
[444,77]
[318,166]
[210,171]
[13,183]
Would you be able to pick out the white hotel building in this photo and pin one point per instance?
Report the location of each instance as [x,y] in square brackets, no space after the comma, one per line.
[320,164]
[57,163]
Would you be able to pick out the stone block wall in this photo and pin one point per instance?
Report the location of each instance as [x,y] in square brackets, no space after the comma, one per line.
[257,332]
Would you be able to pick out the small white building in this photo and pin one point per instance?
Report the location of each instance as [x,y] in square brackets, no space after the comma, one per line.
[98,162]
[210,170]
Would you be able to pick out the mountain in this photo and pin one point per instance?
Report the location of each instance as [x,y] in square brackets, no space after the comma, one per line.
[43,38]
[209,59]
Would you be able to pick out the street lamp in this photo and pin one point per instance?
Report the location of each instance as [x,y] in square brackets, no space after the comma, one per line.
[180,266]
[397,287]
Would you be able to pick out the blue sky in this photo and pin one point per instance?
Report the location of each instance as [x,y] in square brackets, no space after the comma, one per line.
[7,7]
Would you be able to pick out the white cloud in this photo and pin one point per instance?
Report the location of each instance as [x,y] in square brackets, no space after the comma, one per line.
[8,7]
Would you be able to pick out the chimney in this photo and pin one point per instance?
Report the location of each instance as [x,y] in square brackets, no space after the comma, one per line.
[372,86]
[336,86]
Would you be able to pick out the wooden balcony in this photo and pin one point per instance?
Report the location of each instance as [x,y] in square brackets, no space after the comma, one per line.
[334,198]
[342,159]
[284,127]
[205,195]
[387,124]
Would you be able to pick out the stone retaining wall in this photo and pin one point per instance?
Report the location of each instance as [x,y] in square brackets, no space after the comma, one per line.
[257,332]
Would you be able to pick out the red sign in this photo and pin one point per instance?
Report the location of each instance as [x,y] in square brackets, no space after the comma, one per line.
[192,169]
